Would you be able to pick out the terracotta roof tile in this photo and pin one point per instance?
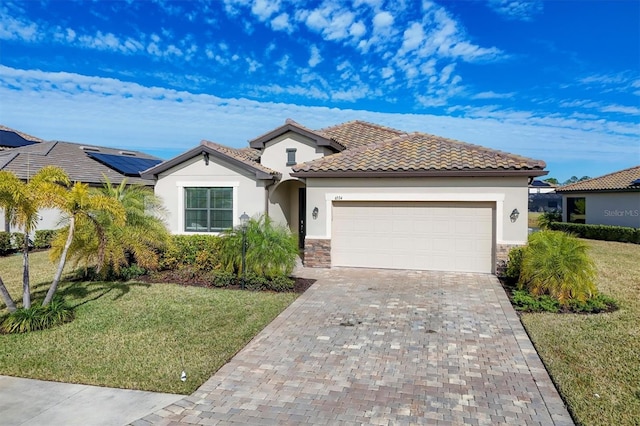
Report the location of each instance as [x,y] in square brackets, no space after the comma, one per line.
[617,181]
[354,134]
[419,152]
[248,156]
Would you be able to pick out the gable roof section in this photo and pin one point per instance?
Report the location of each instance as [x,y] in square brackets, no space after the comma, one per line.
[245,158]
[72,157]
[419,154]
[292,126]
[622,180]
[354,134]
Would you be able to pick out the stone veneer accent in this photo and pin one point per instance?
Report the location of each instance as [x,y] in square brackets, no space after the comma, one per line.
[317,253]
[502,256]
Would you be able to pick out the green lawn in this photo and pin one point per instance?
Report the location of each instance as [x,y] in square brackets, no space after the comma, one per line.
[532,219]
[134,335]
[595,359]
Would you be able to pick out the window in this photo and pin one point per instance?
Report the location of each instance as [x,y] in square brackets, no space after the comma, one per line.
[208,209]
[291,156]
[576,209]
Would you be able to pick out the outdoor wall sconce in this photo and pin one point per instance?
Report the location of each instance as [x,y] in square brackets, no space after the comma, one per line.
[205,155]
[314,213]
[514,215]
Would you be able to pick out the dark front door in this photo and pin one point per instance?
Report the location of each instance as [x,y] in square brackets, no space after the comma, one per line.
[302,216]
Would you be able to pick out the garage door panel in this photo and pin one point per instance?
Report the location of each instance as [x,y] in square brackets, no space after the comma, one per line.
[413,235]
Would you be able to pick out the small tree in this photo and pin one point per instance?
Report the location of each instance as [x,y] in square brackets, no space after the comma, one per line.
[559,265]
[107,245]
[24,200]
[82,207]
[271,248]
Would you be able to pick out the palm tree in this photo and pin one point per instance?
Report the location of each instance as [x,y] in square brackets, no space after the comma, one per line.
[24,200]
[83,207]
[139,240]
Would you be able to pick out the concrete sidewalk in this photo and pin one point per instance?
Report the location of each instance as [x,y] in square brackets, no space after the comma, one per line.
[37,402]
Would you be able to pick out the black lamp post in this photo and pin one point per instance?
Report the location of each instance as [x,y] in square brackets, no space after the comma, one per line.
[243,224]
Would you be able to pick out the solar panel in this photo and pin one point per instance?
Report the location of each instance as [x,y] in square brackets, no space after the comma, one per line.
[636,182]
[125,164]
[13,140]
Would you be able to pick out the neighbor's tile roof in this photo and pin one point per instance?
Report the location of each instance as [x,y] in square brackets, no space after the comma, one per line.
[27,160]
[354,134]
[418,152]
[617,181]
[23,135]
[247,156]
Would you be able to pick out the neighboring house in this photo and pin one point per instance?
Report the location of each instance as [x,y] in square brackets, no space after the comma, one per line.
[10,138]
[613,199]
[83,163]
[543,197]
[359,195]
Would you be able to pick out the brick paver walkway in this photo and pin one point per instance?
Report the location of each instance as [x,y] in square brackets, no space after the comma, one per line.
[383,347]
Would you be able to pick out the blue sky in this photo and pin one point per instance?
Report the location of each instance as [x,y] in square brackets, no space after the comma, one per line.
[557,81]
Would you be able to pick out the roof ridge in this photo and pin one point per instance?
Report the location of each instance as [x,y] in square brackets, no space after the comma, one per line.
[583,182]
[366,123]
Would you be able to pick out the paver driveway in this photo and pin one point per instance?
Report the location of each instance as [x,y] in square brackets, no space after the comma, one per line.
[383,347]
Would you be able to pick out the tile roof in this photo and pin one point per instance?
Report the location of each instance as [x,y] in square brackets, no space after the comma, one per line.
[416,152]
[247,156]
[23,135]
[354,134]
[617,181]
[27,160]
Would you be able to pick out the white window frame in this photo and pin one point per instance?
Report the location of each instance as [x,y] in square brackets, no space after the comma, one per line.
[207,184]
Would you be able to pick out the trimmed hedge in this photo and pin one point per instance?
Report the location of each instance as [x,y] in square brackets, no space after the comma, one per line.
[599,232]
[43,238]
[198,251]
[5,243]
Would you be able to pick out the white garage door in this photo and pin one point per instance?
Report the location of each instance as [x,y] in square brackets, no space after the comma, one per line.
[413,235]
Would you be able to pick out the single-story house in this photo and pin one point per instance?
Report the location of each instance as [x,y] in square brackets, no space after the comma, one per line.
[83,163]
[543,197]
[359,194]
[612,199]
[10,138]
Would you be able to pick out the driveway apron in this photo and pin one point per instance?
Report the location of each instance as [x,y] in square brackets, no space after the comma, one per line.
[382,347]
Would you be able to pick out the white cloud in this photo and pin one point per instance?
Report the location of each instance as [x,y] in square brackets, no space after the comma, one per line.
[316,57]
[521,10]
[624,109]
[492,95]
[281,23]
[332,21]
[263,9]
[412,37]
[382,21]
[357,30]
[12,28]
[166,122]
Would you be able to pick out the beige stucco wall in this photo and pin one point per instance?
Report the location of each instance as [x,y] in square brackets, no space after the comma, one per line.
[611,208]
[47,219]
[508,194]
[249,194]
[274,155]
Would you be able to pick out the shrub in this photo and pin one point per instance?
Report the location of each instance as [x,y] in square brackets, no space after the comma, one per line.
[546,218]
[514,264]
[253,281]
[5,243]
[281,283]
[223,279]
[599,232]
[558,264]
[599,303]
[17,240]
[271,249]
[43,238]
[37,317]
[198,251]
[523,301]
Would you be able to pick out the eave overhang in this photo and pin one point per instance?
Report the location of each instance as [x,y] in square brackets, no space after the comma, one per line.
[259,142]
[417,173]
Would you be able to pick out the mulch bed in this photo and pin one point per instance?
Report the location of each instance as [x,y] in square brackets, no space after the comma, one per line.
[187,277]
